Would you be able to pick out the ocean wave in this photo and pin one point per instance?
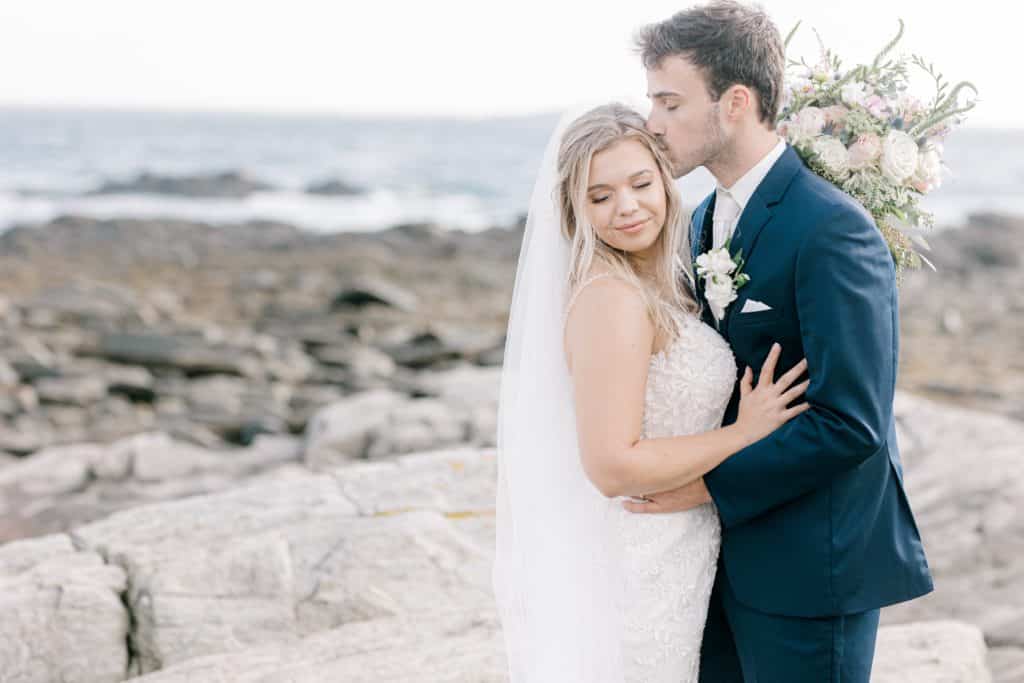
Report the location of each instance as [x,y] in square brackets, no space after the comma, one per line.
[375,210]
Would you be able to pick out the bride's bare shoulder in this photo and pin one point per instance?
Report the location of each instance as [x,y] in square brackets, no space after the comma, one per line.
[607,309]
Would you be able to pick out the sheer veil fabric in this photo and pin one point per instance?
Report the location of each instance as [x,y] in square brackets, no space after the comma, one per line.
[556,576]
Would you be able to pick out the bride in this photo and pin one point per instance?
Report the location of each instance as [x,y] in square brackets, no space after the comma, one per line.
[612,388]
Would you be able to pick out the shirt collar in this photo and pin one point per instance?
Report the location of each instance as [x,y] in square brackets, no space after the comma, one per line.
[743,189]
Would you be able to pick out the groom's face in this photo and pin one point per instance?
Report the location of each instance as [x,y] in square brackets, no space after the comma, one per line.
[683,115]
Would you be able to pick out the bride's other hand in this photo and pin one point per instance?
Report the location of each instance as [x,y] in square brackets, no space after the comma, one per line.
[763,409]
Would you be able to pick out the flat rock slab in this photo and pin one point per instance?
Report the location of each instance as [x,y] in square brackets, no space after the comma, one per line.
[276,561]
[965,482]
[447,649]
[62,616]
[934,651]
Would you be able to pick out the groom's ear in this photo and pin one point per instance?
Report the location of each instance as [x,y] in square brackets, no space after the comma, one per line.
[738,101]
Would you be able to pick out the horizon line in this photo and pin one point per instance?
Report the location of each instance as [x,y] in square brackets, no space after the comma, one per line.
[337,113]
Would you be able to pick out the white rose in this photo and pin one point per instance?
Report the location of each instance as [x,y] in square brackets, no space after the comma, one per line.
[853,93]
[929,169]
[899,156]
[716,262]
[808,123]
[833,155]
[865,151]
[719,293]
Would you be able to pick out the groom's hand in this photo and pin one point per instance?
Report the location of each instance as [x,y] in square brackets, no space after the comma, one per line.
[676,500]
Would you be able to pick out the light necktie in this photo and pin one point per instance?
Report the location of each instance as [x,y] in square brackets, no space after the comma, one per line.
[726,211]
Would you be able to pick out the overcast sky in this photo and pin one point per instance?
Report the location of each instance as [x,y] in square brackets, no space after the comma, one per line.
[469,58]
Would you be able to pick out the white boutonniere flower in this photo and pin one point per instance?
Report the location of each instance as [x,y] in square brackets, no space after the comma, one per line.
[722,278]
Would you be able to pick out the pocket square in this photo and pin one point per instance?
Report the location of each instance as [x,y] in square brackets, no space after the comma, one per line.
[752,305]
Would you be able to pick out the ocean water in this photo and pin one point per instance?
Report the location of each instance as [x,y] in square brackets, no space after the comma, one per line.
[465,174]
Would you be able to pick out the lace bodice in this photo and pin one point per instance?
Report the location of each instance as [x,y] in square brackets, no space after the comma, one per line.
[669,559]
[689,382]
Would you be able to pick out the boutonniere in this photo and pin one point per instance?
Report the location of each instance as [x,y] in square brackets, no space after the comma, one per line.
[723,276]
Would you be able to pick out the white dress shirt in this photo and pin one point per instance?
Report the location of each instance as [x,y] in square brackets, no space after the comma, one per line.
[730,202]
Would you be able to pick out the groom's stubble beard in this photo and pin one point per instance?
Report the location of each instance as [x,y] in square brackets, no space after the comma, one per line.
[714,146]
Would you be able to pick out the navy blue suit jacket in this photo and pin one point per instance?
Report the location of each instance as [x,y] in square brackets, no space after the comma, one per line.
[815,518]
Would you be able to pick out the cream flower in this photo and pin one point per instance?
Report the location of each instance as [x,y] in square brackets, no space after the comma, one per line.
[899,156]
[832,153]
[929,168]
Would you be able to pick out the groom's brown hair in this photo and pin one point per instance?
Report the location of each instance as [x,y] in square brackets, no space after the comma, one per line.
[730,42]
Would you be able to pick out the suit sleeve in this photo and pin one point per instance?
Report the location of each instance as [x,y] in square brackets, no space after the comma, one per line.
[846,306]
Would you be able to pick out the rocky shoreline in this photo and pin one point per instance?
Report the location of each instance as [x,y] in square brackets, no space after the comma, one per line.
[147,361]
[380,571]
[219,333]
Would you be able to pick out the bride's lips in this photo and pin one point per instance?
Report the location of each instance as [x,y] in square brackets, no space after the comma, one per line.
[634,227]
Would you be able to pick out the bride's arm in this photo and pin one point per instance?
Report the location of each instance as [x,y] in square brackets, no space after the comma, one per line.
[608,342]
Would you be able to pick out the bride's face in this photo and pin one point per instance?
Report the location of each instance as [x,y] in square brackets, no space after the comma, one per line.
[683,115]
[626,197]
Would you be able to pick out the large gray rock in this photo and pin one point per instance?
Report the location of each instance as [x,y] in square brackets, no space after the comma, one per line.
[462,648]
[334,187]
[62,614]
[965,482]
[185,352]
[341,431]
[939,651]
[272,562]
[227,184]
[380,423]
[421,424]
[53,470]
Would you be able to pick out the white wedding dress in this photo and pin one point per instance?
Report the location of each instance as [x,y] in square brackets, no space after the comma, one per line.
[669,559]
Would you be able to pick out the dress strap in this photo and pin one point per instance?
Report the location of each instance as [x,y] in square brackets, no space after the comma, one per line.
[579,290]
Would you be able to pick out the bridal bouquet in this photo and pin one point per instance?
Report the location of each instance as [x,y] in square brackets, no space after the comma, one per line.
[861,129]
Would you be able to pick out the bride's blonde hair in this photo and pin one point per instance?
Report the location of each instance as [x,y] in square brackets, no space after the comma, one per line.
[593,132]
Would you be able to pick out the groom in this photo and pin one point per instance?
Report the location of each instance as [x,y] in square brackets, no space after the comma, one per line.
[817,533]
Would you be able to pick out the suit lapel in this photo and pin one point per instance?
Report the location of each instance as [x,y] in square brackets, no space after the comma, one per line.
[760,209]
[701,228]
[701,224]
[755,216]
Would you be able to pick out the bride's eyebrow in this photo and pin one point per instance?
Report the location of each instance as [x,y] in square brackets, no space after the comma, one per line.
[602,185]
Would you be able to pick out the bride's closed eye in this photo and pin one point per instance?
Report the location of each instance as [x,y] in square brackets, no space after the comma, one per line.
[598,200]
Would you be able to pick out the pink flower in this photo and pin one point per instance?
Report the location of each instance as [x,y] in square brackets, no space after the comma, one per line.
[876,105]
[836,115]
[865,151]
[807,123]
